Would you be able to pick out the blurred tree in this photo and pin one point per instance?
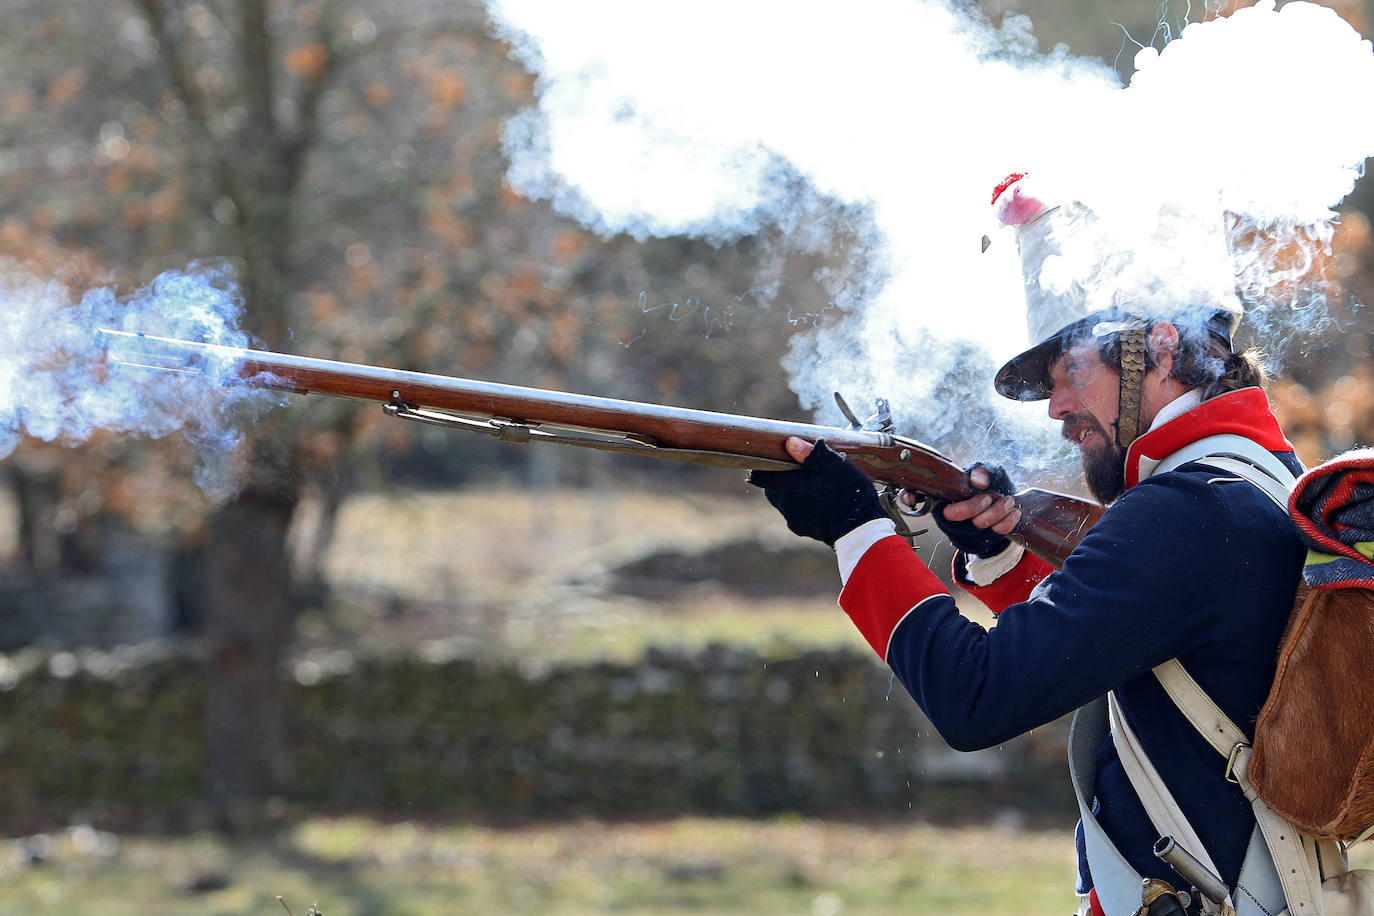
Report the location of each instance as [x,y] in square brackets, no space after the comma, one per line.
[1114,30]
[347,158]
[245,80]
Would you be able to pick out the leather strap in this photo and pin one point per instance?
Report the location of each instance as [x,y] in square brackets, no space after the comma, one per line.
[1274,489]
[1295,856]
[1116,883]
[1224,445]
[1164,812]
[1296,859]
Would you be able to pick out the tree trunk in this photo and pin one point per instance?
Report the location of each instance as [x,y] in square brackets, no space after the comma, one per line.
[244,599]
[37,491]
[248,605]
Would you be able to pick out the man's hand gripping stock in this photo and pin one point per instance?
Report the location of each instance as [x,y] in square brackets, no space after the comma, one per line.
[980,524]
[827,497]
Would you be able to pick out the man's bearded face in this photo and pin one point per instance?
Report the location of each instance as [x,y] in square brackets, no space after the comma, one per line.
[1086,399]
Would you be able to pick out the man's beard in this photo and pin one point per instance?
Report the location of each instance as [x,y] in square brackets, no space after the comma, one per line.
[1104,466]
[1104,471]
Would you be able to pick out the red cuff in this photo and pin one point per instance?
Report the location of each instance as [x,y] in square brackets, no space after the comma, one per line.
[1012,587]
[887,583]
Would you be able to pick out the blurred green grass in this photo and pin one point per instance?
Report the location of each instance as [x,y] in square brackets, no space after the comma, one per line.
[356,866]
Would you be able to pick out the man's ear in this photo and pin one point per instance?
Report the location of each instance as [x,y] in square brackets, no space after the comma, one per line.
[1162,343]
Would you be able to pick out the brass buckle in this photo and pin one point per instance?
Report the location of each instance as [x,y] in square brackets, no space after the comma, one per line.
[1158,898]
[1230,773]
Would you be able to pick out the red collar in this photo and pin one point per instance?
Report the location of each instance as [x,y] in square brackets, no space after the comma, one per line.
[1241,413]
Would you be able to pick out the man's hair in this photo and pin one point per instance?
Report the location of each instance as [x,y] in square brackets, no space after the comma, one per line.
[1202,360]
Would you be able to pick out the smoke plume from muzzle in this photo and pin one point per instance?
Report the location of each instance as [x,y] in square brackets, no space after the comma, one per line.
[57,385]
[1213,171]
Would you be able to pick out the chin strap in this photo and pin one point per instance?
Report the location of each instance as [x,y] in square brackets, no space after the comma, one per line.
[1132,377]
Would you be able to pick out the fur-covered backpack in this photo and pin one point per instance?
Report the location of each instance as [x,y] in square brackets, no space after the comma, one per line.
[1313,759]
[1311,763]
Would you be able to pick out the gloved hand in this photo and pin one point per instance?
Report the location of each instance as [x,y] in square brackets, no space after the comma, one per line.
[965,534]
[825,498]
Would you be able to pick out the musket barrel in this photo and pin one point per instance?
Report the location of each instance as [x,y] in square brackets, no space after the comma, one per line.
[304,374]
[1052,523]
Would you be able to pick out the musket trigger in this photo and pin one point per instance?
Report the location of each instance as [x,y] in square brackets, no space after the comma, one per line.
[899,513]
[924,505]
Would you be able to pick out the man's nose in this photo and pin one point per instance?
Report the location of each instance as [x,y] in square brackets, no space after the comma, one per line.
[1061,403]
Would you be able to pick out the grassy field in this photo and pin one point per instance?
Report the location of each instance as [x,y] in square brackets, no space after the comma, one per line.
[352,867]
[512,572]
[505,571]
[360,867]
[508,571]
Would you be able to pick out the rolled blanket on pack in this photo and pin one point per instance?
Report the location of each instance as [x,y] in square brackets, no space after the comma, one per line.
[1333,505]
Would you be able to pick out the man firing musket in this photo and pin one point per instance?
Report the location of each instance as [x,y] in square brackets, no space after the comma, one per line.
[1171,601]
[1191,561]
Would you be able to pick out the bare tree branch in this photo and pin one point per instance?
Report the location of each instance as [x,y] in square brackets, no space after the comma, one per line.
[176,64]
[258,58]
[308,124]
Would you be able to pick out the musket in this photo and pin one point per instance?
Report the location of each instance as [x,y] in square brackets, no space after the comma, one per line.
[1051,523]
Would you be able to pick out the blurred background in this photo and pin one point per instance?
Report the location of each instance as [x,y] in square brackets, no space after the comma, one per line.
[402,670]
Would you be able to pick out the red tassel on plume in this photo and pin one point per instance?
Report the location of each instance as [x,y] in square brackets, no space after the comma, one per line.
[1007,182]
[1018,208]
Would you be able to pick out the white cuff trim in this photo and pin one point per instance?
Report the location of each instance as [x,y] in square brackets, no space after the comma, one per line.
[850,548]
[987,570]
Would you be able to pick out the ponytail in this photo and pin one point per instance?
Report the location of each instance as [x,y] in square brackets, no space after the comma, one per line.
[1239,370]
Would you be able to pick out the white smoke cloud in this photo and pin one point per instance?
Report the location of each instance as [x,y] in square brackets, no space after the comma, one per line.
[656,119]
[1262,103]
[57,385]
[1235,143]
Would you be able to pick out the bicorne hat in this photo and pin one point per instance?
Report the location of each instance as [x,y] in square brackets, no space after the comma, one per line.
[1063,311]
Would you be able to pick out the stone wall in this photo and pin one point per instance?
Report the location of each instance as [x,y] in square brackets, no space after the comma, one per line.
[117,737]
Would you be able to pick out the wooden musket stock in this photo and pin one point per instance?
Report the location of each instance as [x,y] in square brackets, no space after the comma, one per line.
[1051,525]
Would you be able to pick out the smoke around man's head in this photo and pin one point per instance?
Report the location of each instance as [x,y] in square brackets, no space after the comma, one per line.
[56,384]
[655,119]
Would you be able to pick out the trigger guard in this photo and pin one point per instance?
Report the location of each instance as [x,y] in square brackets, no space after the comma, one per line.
[924,506]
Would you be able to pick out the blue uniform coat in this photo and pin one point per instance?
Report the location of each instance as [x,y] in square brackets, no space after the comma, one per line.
[1181,566]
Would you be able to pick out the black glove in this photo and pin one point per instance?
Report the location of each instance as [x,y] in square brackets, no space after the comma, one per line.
[965,535]
[825,498]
